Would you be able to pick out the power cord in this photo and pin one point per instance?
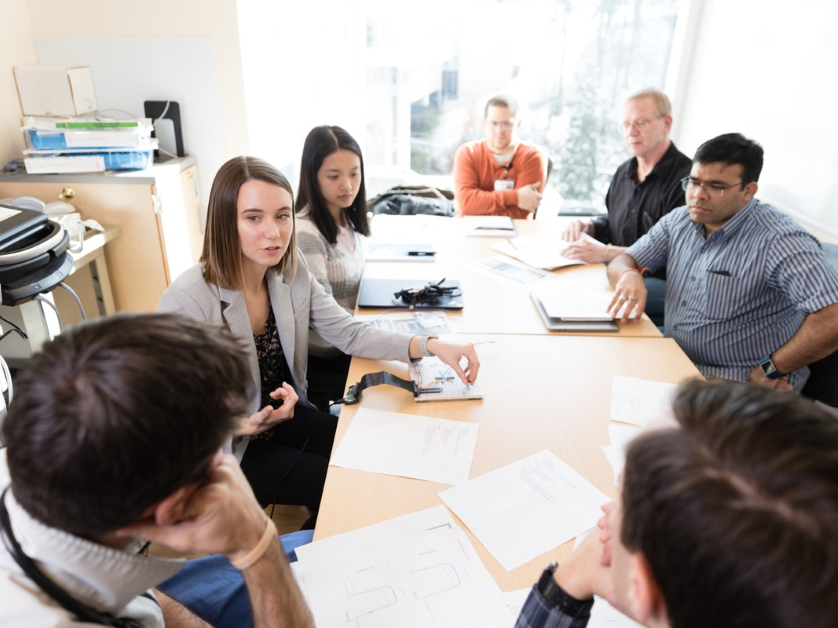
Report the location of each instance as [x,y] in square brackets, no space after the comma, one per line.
[75,298]
[43,299]
[14,328]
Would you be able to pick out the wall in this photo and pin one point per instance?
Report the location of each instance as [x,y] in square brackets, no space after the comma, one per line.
[86,25]
[303,67]
[767,70]
[15,49]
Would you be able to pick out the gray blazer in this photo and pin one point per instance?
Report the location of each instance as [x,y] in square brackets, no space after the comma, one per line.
[297,302]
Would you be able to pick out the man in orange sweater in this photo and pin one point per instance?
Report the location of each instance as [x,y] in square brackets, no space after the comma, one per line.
[499,176]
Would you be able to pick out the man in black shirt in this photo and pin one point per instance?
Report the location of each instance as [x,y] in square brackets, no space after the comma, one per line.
[642,191]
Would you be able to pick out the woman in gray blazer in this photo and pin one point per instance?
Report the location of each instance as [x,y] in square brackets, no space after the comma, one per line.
[252,280]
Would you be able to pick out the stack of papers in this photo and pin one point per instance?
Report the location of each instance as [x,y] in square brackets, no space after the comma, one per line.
[540,252]
[490,226]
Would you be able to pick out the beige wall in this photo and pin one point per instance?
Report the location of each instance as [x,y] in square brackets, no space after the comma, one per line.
[15,49]
[215,19]
[767,70]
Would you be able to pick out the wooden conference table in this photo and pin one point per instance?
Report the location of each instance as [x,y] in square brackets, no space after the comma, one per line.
[491,305]
[542,391]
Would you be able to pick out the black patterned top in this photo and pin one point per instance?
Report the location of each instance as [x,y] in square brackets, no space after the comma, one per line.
[273,369]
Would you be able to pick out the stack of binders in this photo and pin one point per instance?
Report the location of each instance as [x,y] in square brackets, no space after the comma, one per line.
[64,145]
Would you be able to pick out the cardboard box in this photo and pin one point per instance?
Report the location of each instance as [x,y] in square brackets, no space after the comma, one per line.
[55,90]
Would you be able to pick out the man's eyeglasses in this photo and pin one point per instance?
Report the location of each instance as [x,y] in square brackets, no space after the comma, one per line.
[504,125]
[640,124]
[711,189]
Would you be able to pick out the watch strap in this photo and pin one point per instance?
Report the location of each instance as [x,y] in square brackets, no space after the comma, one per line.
[423,345]
[770,369]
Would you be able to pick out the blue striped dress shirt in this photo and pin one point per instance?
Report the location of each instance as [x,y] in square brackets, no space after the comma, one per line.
[742,293]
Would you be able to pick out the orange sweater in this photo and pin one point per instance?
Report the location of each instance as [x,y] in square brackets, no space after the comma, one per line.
[475,172]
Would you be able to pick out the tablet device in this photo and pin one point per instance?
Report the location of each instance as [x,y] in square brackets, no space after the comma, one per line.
[381,293]
[558,324]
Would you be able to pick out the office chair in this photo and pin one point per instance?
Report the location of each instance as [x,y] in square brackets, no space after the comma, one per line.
[823,382]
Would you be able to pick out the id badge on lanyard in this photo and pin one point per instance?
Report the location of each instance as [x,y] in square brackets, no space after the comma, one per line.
[505,183]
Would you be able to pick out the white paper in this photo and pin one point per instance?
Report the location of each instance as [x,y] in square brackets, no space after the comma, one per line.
[539,251]
[617,459]
[429,578]
[509,272]
[437,450]
[527,508]
[576,305]
[513,602]
[400,252]
[421,520]
[489,226]
[638,401]
[416,323]
[622,435]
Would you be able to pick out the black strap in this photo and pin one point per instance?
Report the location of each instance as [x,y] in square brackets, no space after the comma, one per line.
[79,609]
[353,395]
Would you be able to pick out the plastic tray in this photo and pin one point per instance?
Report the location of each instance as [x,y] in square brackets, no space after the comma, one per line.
[72,138]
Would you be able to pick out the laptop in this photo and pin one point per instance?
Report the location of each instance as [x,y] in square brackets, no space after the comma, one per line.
[559,324]
[381,293]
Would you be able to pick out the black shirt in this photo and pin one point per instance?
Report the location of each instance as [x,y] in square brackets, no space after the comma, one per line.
[634,207]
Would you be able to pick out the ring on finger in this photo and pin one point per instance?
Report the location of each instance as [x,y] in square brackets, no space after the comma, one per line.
[632,299]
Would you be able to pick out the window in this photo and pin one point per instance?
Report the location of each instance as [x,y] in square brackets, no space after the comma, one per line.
[569,63]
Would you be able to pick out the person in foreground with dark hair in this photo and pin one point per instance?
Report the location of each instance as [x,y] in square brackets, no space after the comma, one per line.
[749,294]
[729,520]
[333,212]
[112,438]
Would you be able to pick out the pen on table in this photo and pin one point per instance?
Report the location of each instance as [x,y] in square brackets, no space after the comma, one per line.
[512,244]
[421,253]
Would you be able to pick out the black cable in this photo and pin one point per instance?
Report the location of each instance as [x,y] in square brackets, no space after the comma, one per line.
[429,294]
[10,323]
[16,331]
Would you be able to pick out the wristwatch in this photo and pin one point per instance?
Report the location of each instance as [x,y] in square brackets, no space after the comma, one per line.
[423,345]
[771,371]
[558,598]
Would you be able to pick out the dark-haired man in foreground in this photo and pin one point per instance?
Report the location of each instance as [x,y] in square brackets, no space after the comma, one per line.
[749,294]
[728,520]
[114,434]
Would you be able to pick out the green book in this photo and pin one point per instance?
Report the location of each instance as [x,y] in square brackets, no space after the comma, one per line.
[125,124]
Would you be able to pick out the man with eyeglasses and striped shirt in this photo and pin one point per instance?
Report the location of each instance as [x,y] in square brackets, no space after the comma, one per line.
[750,296]
[500,175]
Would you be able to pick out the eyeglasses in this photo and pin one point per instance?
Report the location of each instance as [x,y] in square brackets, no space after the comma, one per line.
[504,125]
[711,189]
[640,124]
